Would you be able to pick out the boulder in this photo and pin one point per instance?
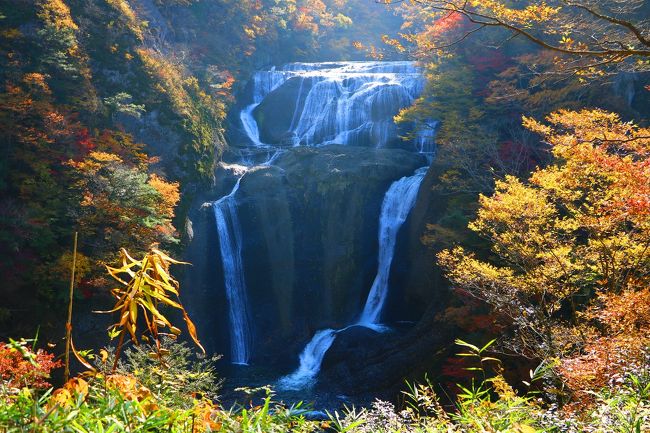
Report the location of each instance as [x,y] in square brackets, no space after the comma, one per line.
[276,112]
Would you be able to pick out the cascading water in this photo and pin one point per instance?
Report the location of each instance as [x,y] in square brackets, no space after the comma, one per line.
[425,139]
[338,103]
[230,243]
[311,359]
[348,103]
[264,82]
[397,204]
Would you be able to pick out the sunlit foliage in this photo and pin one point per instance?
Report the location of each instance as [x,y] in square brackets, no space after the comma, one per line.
[21,366]
[587,38]
[146,286]
[577,228]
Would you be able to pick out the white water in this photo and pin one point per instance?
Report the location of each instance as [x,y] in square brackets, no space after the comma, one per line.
[230,242]
[264,82]
[398,202]
[350,103]
[311,359]
[425,139]
[339,103]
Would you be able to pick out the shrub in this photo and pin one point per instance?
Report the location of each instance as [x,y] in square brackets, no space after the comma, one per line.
[22,367]
[176,379]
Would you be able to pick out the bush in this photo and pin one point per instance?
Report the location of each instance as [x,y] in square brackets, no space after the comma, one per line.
[22,367]
[178,378]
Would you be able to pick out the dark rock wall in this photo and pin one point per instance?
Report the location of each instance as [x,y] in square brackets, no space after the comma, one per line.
[310,245]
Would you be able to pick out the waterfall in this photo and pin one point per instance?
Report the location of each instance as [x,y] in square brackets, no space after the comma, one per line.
[398,202]
[311,359]
[264,82]
[230,242]
[339,103]
[425,139]
[349,103]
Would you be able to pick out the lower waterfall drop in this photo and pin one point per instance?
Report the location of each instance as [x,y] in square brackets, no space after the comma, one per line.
[398,202]
[311,359]
[230,243]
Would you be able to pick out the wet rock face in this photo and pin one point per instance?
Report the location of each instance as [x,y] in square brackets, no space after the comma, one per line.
[275,125]
[310,244]
[362,361]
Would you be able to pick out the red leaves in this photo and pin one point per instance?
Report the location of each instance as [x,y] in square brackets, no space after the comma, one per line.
[492,61]
[455,368]
[84,141]
[17,371]
[447,24]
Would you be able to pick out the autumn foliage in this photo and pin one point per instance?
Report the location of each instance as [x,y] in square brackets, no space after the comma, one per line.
[571,249]
[21,367]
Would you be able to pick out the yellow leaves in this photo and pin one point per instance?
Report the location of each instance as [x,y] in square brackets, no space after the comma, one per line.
[533,13]
[57,14]
[534,126]
[77,387]
[395,43]
[169,192]
[11,33]
[60,398]
[207,416]
[72,390]
[249,32]
[95,161]
[579,224]
[523,428]
[83,266]
[129,387]
[148,285]
[126,12]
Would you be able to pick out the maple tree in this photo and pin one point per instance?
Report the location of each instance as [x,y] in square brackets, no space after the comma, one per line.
[121,204]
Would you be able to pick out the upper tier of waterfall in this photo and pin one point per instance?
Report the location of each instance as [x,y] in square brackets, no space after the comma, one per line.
[351,103]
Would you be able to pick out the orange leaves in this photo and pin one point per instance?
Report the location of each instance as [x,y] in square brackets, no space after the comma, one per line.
[628,312]
[446,24]
[169,194]
[119,203]
[601,149]
[146,285]
[577,226]
[57,13]
[71,391]
[624,321]
[37,82]
[128,387]
[208,417]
